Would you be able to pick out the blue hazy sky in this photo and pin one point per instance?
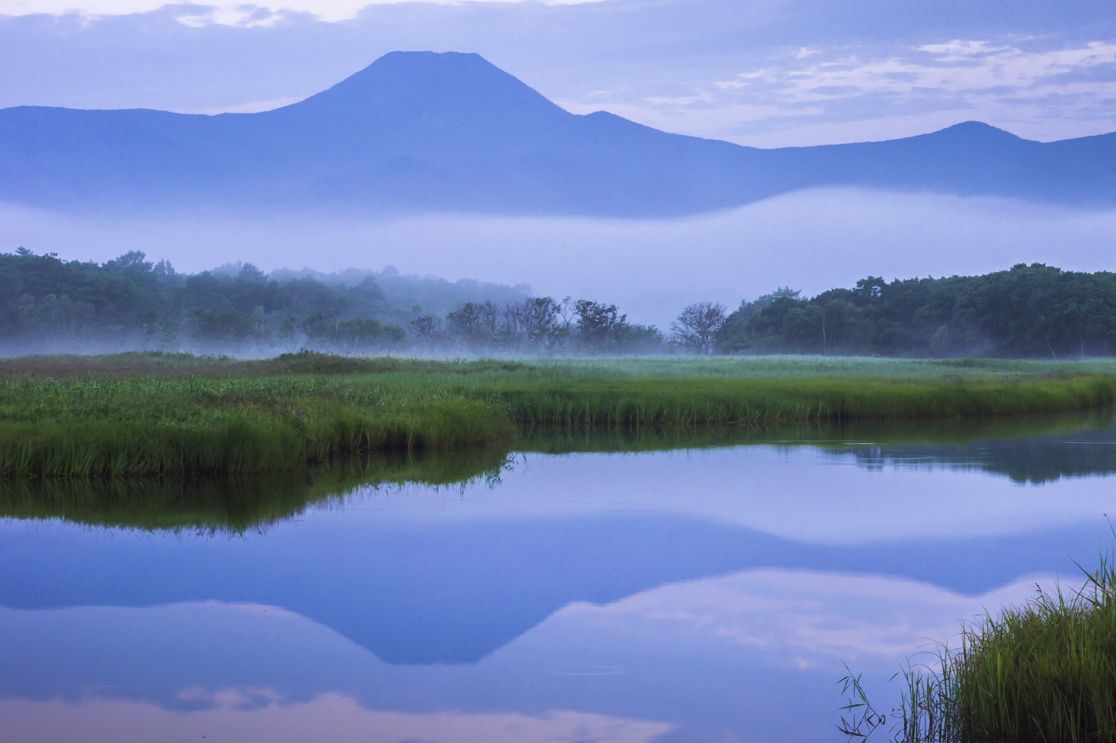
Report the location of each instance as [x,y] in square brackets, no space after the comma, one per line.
[762,72]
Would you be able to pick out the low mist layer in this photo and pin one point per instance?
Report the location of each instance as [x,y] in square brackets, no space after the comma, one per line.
[810,241]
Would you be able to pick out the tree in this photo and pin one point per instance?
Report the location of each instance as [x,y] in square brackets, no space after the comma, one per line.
[738,333]
[597,323]
[249,272]
[359,335]
[697,326]
[475,324]
[540,321]
[426,327]
[133,260]
[224,328]
[632,338]
[164,270]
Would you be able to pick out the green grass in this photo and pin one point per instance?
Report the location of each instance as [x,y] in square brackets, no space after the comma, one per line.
[1044,672]
[636,402]
[830,436]
[143,415]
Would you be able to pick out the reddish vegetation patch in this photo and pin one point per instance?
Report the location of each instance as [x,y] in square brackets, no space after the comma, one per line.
[77,367]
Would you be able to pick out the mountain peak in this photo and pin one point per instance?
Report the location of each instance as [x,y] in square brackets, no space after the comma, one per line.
[975,130]
[428,57]
[427,63]
[423,82]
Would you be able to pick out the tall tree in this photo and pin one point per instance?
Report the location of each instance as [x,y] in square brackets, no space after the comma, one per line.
[697,326]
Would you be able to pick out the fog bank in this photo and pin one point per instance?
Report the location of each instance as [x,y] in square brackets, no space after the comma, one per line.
[809,240]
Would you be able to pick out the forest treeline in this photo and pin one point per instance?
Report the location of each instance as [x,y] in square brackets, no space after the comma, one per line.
[1027,311]
[52,305]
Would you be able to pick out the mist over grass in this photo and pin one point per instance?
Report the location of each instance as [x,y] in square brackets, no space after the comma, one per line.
[810,241]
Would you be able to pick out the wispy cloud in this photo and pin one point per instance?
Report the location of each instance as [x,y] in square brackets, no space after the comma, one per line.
[242,16]
[229,13]
[1012,83]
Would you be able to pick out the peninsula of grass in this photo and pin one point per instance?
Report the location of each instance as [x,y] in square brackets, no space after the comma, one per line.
[144,415]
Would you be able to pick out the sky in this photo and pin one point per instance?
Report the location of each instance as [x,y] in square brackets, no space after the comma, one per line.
[757,72]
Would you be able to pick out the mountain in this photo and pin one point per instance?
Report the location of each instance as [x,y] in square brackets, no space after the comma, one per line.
[418,131]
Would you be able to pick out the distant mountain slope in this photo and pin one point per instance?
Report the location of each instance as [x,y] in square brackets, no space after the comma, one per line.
[419,131]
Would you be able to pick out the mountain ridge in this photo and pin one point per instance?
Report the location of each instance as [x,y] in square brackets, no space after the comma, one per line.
[430,132]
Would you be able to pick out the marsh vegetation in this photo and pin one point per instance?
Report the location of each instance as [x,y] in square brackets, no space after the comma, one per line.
[140,415]
[1043,671]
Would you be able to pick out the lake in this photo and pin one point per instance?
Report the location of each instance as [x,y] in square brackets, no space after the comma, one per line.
[711,593]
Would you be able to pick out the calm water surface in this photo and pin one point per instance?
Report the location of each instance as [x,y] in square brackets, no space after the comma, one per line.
[710,594]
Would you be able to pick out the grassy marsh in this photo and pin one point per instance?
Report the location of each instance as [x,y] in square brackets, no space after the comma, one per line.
[142,415]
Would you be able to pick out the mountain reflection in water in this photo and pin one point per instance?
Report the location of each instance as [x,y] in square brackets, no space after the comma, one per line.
[707,593]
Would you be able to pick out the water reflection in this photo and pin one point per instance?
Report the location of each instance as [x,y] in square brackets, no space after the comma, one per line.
[704,594]
[1034,459]
[1025,450]
[748,656]
[238,505]
[332,716]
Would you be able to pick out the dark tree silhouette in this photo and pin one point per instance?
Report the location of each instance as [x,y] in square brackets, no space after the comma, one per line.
[697,326]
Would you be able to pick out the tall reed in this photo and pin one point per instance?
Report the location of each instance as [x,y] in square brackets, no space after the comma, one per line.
[1044,672]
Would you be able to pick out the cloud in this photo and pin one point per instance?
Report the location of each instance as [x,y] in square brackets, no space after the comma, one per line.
[958,49]
[243,16]
[1007,82]
[227,12]
[805,618]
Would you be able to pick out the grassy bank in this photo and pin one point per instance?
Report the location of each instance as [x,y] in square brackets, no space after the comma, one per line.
[140,415]
[1040,673]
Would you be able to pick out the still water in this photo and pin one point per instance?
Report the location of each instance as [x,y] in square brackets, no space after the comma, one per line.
[703,594]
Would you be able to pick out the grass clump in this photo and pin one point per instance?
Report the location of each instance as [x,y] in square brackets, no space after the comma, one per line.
[1044,672]
[150,426]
